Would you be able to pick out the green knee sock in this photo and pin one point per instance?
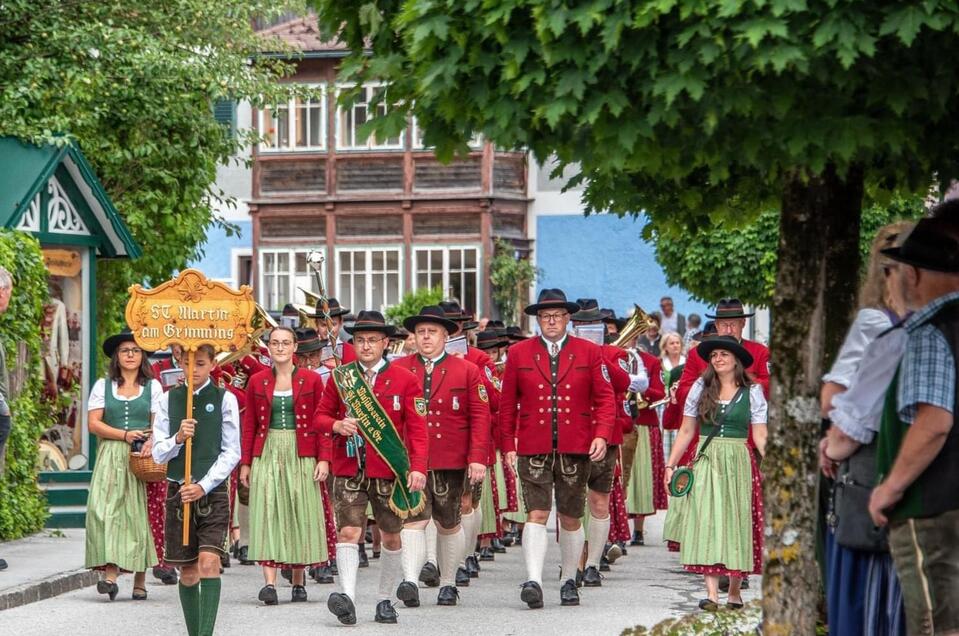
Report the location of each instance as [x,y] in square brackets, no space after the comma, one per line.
[209,605]
[190,602]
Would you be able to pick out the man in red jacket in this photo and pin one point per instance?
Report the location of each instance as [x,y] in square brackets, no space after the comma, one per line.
[361,476]
[557,414]
[458,424]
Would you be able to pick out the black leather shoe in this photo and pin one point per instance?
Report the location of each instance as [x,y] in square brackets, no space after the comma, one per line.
[385,613]
[225,560]
[448,595]
[430,575]
[3,564]
[268,595]
[167,575]
[568,594]
[299,594]
[368,535]
[745,584]
[472,566]
[323,574]
[603,565]
[409,593]
[364,560]
[637,538]
[287,573]
[486,554]
[244,559]
[708,605]
[532,594]
[723,583]
[342,607]
[497,546]
[613,553]
[462,577]
[592,577]
[110,588]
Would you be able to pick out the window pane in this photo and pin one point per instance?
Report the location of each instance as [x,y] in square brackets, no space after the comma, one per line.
[345,295]
[392,289]
[422,280]
[379,293]
[377,258]
[455,260]
[316,125]
[346,129]
[359,293]
[470,258]
[436,280]
[282,127]
[283,263]
[392,260]
[300,123]
[456,289]
[269,263]
[436,260]
[345,262]
[469,292]
[269,127]
[359,261]
[421,260]
[301,263]
[359,118]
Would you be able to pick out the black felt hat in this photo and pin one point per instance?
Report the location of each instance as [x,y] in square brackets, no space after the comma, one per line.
[726,343]
[551,299]
[432,314]
[110,344]
[308,341]
[489,340]
[515,334]
[589,310]
[729,308]
[370,321]
[932,244]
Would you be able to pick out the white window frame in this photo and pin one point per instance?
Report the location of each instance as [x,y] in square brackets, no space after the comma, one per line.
[293,294]
[293,114]
[235,254]
[369,144]
[368,249]
[476,143]
[477,303]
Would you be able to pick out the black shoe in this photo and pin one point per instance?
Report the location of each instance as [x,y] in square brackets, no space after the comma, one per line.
[333,567]
[368,536]
[472,566]
[613,553]
[243,556]
[508,539]
[708,605]
[409,593]
[497,546]
[342,607]
[568,594]
[448,595]
[462,577]
[734,606]
[225,560]
[109,588]
[235,549]
[287,573]
[385,613]
[299,594]
[323,574]
[745,584]
[3,564]
[140,594]
[637,538]
[376,554]
[592,577]
[364,560]
[430,575]
[268,595]
[724,584]
[622,546]
[167,575]
[532,594]
[603,565]
[486,554]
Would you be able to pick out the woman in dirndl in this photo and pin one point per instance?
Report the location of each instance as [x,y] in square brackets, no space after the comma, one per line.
[722,525]
[121,408]
[283,455]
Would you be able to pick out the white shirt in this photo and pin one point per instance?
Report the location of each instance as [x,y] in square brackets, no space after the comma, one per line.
[668,366]
[166,448]
[97,399]
[376,368]
[669,323]
[869,323]
[559,343]
[757,402]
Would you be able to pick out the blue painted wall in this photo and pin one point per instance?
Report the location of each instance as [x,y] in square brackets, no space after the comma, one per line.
[215,262]
[604,257]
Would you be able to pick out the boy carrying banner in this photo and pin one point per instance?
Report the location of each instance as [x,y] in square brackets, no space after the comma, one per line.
[215,429]
[376,414]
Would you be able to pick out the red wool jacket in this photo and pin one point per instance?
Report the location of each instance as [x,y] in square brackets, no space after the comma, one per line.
[656,390]
[458,413]
[396,389]
[617,363]
[584,406]
[307,391]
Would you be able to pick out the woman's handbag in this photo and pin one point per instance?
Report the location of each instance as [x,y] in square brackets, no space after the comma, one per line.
[143,467]
[682,480]
[850,520]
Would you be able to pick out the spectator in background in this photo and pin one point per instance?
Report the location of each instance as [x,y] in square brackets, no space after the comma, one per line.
[672,351]
[671,320]
[693,324]
[649,341]
[6,290]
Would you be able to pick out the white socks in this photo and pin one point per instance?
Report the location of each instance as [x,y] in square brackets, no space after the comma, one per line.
[347,564]
[571,549]
[390,574]
[598,533]
[431,542]
[452,547]
[534,550]
[469,521]
[414,553]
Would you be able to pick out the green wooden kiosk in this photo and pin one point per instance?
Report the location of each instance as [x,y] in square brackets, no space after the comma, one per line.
[52,192]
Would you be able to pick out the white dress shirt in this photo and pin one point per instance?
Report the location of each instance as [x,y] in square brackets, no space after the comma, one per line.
[867,326]
[165,446]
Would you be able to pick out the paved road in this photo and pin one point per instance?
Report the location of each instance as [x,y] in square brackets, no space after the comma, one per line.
[644,588]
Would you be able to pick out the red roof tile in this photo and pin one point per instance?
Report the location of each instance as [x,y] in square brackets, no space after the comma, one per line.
[303,34]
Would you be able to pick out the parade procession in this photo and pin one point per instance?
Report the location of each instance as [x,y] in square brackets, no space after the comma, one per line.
[499,317]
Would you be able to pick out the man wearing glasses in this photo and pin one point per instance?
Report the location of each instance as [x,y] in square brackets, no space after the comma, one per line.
[361,476]
[557,414]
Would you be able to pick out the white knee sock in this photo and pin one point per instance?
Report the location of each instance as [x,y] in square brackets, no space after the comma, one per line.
[571,549]
[431,542]
[467,522]
[452,547]
[414,553]
[391,572]
[347,564]
[534,550]
[598,533]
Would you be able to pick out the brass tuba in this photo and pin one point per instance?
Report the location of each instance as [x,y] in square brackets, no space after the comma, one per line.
[262,322]
[637,325]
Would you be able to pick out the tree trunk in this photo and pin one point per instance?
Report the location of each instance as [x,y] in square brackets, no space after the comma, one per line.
[818,244]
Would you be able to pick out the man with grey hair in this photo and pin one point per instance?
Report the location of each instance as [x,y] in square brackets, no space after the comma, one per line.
[6,290]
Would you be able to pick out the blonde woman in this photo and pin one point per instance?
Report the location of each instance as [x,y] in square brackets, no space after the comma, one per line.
[672,351]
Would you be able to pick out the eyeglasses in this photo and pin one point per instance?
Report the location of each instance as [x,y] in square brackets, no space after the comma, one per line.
[555,317]
[281,344]
[362,342]
[130,351]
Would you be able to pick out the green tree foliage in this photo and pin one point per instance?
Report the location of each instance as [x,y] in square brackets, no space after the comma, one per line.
[23,508]
[412,302]
[134,83]
[511,278]
[741,261]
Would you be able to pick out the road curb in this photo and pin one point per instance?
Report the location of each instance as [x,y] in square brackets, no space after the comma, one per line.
[47,588]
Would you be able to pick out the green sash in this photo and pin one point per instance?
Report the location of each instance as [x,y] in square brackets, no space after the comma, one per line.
[380,434]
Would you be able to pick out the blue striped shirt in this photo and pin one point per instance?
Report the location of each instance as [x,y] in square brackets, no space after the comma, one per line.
[928,371]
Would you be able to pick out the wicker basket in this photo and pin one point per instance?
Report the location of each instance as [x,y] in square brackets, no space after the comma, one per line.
[145,469]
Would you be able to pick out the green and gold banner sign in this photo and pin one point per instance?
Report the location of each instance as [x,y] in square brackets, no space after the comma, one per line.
[380,434]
